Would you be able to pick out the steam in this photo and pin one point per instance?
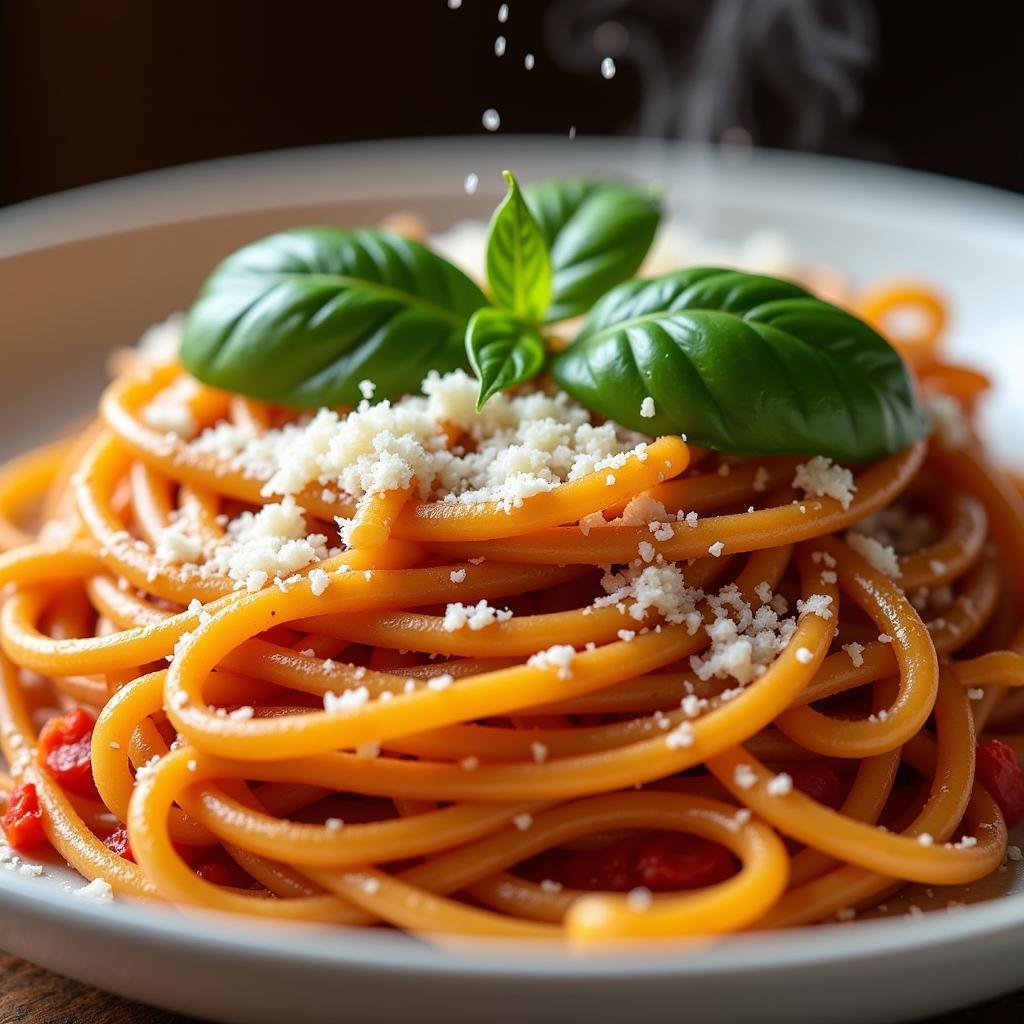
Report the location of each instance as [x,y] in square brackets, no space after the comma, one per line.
[727,70]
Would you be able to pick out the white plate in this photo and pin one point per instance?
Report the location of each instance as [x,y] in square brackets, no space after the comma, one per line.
[85,271]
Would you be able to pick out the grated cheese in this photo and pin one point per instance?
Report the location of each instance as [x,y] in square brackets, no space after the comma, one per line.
[880,556]
[856,653]
[319,581]
[949,420]
[474,616]
[744,641]
[816,604]
[521,445]
[821,478]
[559,656]
[97,891]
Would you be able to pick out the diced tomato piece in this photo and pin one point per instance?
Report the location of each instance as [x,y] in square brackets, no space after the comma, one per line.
[65,748]
[224,871]
[677,861]
[819,781]
[1000,772]
[117,842]
[663,863]
[609,870]
[23,821]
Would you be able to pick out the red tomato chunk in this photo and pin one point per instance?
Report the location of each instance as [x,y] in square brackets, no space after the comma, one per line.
[663,863]
[819,781]
[65,748]
[23,820]
[117,842]
[1000,772]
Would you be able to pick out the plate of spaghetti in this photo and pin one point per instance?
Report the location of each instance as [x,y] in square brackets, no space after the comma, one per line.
[510,594]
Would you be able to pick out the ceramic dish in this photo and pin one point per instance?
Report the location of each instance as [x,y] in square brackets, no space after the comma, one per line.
[86,271]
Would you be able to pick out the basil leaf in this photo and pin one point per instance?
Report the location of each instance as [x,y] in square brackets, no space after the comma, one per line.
[744,364]
[518,266]
[503,351]
[301,317]
[598,233]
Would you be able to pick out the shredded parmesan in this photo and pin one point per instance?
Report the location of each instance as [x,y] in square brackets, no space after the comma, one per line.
[879,556]
[821,478]
[521,445]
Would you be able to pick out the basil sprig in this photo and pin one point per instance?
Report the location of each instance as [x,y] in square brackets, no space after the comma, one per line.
[552,251]
[738,362]
[742,363]
[598,233]
[503,351]
[301,317]
[518,264]
[503,345]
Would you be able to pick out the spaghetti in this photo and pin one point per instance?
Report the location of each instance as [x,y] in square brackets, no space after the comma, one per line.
[667,693]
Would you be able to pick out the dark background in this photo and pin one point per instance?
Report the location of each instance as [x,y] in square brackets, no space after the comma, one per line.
[94,89]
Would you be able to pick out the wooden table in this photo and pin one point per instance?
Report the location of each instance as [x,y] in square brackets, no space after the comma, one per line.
[31,995]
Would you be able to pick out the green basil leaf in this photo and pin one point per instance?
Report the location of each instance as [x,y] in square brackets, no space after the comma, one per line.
[598,233]
[503,351]
[743,364]
[518,265]
[301,317]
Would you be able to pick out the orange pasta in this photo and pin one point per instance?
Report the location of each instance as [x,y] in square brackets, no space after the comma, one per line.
[651,692]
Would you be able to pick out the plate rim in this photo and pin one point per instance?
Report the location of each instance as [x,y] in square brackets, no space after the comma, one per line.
[254,181]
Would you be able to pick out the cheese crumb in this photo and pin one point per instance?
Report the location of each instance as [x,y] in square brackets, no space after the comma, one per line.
[319,581]
[681,737]
[175,548]
[856,653]
[639,899]
[804,655]
[474,616]
[949,420]
[457,575]
[716,549]
[522,821]
[780,785]
[97,891]
[926,839]
[744,776]
[816,604]
[539,752]
[348,700]
[647,408]
[558,656]
[880,556]
[820,478]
